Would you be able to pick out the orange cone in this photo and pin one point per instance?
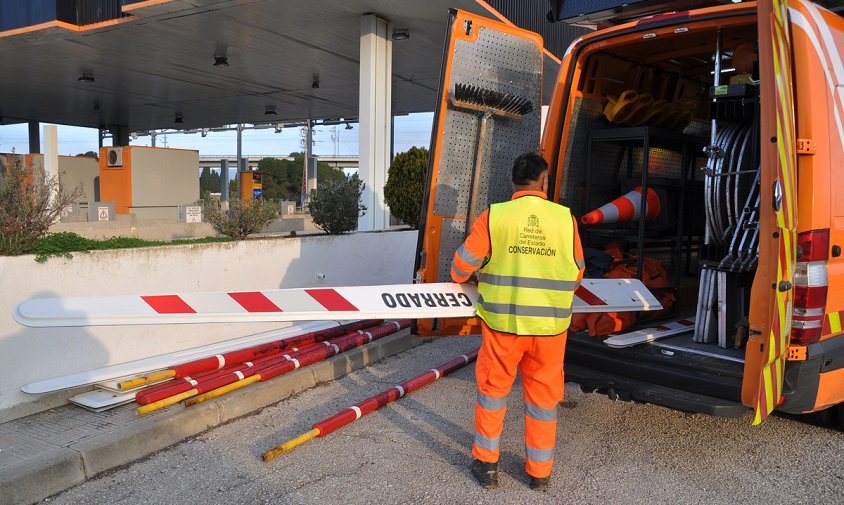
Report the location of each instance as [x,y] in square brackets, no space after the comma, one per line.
[625,208]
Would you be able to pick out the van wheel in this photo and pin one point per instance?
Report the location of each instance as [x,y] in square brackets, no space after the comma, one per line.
[829,417]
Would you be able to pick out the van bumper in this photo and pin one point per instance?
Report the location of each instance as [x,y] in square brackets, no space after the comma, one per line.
[803,379]
[618,387]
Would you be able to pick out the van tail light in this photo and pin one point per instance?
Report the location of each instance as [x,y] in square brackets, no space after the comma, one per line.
[811,285]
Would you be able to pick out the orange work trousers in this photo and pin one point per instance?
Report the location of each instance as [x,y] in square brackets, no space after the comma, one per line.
[540,363]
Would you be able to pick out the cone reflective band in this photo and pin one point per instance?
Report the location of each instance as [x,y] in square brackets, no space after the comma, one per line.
[371,404]
[625,208]
[331,348]
[218,361]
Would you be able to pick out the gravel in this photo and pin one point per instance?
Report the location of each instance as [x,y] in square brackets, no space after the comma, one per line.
[416,450]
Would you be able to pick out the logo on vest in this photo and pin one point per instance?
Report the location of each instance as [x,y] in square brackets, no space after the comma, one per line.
[532,240]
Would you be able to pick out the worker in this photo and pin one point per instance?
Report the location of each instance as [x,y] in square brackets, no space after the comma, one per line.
[531,261]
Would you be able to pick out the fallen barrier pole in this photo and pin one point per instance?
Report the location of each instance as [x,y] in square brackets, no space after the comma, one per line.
[371,404]
[219,361]
[163,391]
[338,346]
[272,368]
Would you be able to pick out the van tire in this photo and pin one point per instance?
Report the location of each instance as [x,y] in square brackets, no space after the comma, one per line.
[828,417]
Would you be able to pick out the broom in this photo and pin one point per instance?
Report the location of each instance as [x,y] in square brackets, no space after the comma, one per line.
[486,103]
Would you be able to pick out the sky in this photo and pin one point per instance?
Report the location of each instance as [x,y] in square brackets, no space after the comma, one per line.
[411,130]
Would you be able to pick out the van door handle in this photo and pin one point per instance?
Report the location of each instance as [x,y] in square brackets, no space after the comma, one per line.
[836,251]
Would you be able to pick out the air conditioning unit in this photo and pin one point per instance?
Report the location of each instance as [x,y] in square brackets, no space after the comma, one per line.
[114,157]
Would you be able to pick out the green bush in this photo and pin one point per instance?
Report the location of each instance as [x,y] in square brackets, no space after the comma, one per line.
[240,220]
[29,204]
[405,185]
[336,205]
[64,243]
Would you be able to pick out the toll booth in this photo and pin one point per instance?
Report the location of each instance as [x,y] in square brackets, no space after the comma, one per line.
[251,187]
[149,182]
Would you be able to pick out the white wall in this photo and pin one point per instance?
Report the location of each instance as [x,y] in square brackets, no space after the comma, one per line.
[32,354]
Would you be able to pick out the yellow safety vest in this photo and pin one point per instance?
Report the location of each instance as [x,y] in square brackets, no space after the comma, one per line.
[527,286]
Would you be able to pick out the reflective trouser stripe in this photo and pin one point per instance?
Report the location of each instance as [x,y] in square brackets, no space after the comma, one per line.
[490,444]
[491,403]
[539,455]
[539,413]
[489,422]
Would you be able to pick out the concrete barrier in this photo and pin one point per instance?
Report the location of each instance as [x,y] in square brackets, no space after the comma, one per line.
[32,354]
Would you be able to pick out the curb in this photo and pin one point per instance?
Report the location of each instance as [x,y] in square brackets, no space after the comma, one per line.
[37,478]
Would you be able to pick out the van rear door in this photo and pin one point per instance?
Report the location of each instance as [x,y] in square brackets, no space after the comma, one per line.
[486,63]
[771,298]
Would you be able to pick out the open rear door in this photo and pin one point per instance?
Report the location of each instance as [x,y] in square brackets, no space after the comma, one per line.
[471,158]
[771,303]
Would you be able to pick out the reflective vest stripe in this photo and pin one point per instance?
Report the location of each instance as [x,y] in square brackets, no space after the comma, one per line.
[527,286]
[539,413]
[527,282]
[524,310]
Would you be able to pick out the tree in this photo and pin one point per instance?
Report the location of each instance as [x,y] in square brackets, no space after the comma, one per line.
[89,154]
[405,186]
[335,206]
[209,181]
[29,204]
[282,178]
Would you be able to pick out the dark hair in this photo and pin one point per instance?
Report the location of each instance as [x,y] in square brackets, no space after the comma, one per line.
[527,168]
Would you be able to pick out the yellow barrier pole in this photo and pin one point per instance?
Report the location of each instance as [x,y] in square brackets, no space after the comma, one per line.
[290,444]
[223,390]
[140,381]
[170,400]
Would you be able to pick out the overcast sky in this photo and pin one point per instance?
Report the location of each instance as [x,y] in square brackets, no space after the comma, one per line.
[412,130]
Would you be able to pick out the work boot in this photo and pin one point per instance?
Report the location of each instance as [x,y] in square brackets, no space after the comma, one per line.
[485,473]
[539,483]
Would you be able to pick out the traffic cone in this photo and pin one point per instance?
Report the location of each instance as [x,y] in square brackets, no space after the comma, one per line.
[625,208]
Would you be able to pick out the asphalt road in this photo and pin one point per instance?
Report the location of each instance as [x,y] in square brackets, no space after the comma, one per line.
[417,451]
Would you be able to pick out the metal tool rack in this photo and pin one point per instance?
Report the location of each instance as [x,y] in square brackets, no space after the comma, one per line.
[647,138]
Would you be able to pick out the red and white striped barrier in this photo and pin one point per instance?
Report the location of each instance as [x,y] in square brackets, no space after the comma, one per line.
[399,301]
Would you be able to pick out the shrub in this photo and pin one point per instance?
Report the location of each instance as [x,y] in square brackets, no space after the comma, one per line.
[240,220]
[405,185]
[29,204]
[336,206]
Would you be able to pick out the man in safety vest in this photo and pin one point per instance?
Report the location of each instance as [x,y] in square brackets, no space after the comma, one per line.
[530,260]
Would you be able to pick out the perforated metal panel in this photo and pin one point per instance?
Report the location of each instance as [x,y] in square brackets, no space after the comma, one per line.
[586,116]
[499,62]
[451,238]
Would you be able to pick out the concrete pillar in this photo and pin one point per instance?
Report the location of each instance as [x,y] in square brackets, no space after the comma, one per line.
[309,181]
[375,112]
[238,159]
[119,135]
[34,137]
[224,184]
[51,156]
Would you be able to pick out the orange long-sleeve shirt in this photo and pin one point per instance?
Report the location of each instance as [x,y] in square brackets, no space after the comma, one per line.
[470,256]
